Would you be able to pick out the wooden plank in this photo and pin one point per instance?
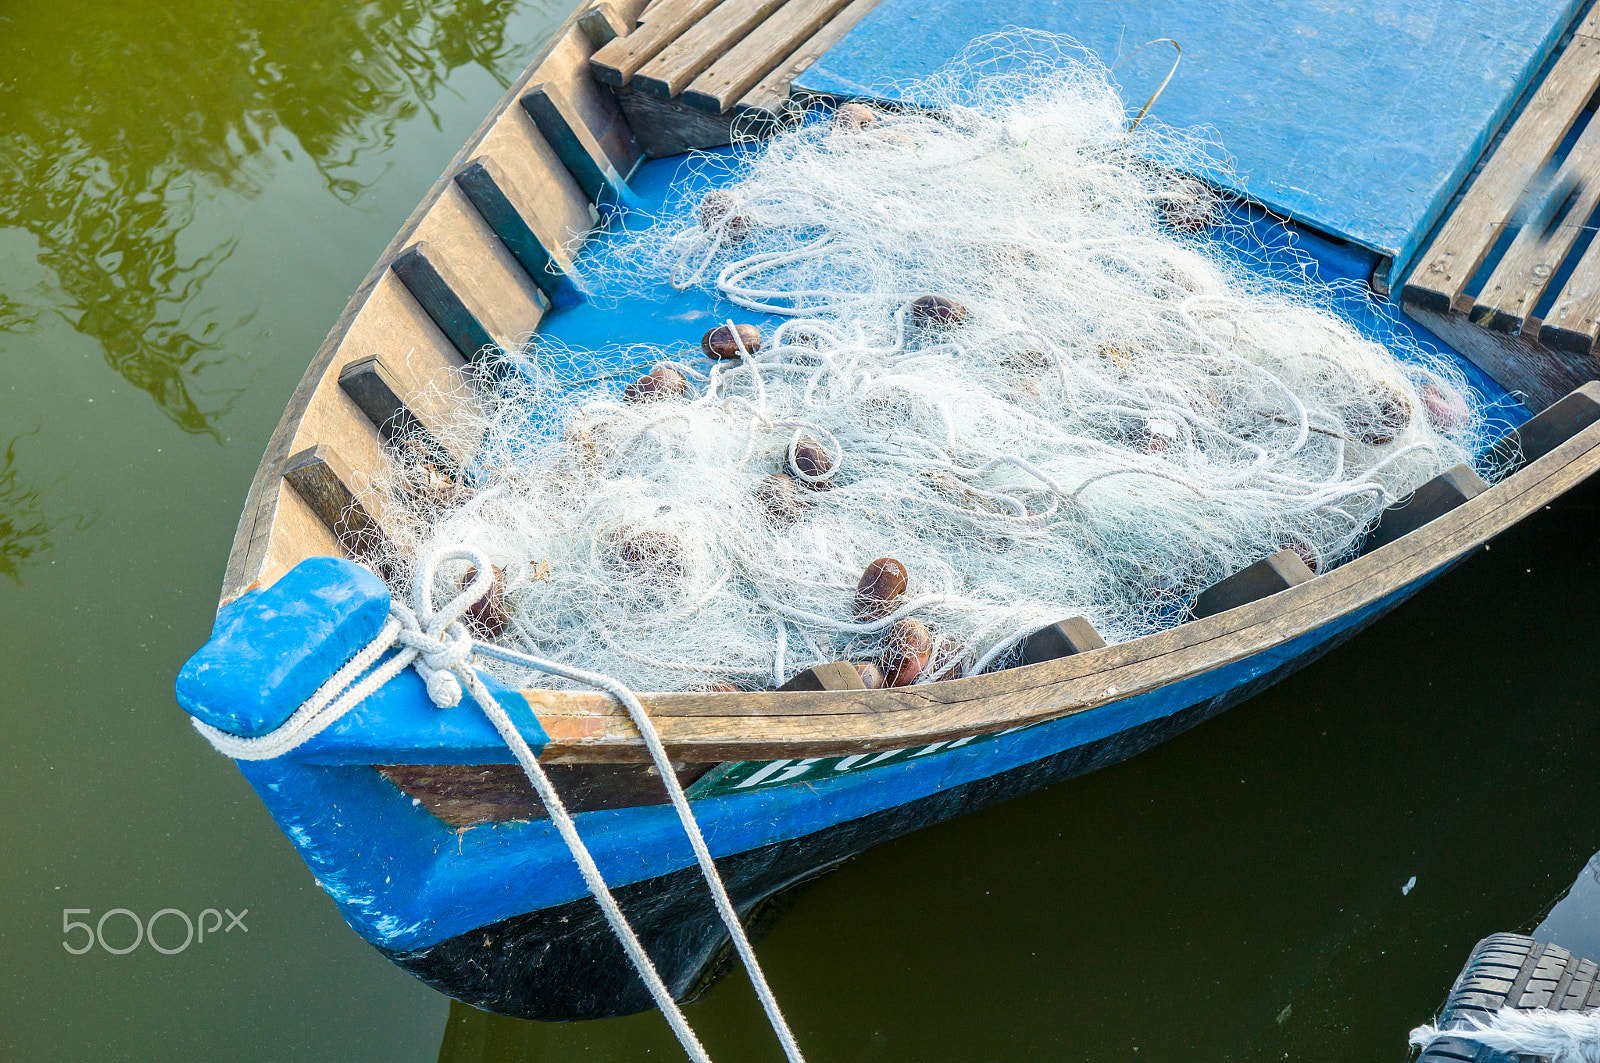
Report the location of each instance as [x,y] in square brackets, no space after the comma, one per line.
[1443,272]
[1512,292]
[617,62]
[727,80]
[770,96]
[465,795]
[322,478]
[1574,319]
[1520,364]
[670,72]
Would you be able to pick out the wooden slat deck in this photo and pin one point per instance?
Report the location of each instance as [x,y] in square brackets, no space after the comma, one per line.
[696,73]
[1544,209]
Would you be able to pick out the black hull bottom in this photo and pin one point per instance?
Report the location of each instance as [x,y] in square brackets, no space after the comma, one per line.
[564,963]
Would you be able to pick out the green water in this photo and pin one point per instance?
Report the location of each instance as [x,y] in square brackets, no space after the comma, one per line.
[188,194]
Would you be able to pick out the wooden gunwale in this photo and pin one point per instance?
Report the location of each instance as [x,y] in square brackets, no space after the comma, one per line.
[770,725]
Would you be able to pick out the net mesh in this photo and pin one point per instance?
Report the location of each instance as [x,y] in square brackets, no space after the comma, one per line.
[1020,353]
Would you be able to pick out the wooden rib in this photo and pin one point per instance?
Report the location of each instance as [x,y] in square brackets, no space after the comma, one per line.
[499,305]
[1513,289]
[529,174]
[555,115]
[591,106]
[373,387]
[276,529]
[770,96]
[617,62]
[322,478]
[1455,255]
[603,24]
[767,726]
[670,72]
[726,81]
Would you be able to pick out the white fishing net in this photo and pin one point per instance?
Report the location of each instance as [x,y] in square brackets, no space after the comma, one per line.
[1017,357]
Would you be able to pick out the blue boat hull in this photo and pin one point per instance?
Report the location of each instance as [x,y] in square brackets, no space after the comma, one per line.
[563,962]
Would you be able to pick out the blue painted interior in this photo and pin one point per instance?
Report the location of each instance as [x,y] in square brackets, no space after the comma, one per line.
[1360,117]
[677,320]
[406,880]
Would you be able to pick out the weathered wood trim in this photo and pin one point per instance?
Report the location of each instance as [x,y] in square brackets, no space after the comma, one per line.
[373,387]
[618,61]
[1520,363]
[770,97]
[771,725]
[722,84]
[467,795]
[1443,272]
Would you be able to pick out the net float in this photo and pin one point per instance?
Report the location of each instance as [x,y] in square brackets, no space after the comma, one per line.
[1445,407]
[780,499]
[1188,207]
[871,675]
[1159,435]
[854,117]
[724,343]
[881,586]
[650,553]
[938,312]
[488,615]
[1390,415]
[721,208]
[810,463]
[909,651]
[662,382]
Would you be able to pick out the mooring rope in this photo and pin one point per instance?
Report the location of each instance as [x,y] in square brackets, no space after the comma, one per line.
[438,646]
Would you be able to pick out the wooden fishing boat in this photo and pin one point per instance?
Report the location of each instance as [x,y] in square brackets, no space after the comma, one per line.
[417,822]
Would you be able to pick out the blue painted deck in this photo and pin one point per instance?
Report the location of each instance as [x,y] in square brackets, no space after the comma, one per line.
[1359,117]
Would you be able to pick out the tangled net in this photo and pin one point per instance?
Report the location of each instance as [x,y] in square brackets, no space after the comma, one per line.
[1010,361]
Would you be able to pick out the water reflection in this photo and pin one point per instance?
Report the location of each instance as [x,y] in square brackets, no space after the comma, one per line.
[111,144]
[24,528]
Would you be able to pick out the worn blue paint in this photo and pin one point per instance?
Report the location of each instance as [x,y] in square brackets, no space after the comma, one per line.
[270,649]
[405,880]
[1360,117]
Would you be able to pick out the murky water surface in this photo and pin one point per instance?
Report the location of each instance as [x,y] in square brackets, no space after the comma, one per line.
[188,194]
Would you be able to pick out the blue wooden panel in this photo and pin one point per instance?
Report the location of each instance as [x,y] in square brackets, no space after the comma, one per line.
[1360,117]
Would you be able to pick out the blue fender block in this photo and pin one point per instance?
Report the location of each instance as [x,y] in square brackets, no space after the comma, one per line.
[271,649]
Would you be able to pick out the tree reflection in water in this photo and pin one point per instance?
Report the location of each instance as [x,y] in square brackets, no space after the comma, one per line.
[116,130]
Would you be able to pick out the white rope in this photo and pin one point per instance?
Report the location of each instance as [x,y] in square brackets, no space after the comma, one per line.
[437,645]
